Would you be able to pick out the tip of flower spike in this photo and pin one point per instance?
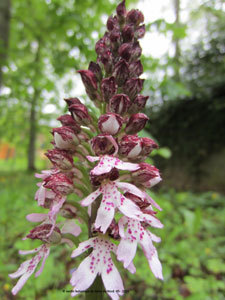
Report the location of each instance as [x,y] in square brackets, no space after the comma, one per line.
[121,9]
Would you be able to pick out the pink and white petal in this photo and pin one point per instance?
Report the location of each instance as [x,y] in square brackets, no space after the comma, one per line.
[154,237]
[131,268]
[37,175]
[40,195]
[21,282]
[92,158]
[83,277]
[21,270]
[25,252]
[151,220]
[90,198]
[82,247]
[35,217]
[105,215]
[102,168]
[112,281]
[45,256]
[126,251]
[114,248]
[152,202]
[122,222]
[45,173]
[129,208]
[147,245]
[154,181]
[128,187]
[119,164]
[57,204]
[71,227]
[155,265]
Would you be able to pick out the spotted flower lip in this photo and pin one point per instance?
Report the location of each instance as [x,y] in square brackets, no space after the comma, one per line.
[107,163]
[99,262]
[28,267]
[135,234]
[112,199]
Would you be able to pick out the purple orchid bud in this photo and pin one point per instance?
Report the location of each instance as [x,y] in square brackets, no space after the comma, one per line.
[119,104]
[130,146]
[133,86]
[106,39]
[67,120]
[59,183]
[115,38]
[135,68]
[41,232]
[108,88]
[147,175]
[100,46]
[139,32]
[128,33]
[68,211]
[142,203]
[104,144]
[89,79]
[110,123]
[147,146]
[135,17]
[80,113]
[125,51]
[136,51]
[90,82]
[65,138]
[60,159]
[96,70]
[97,180]
[71,101]
[121,10]
[106,58]
[121,72]
[136,123]
[138,104]
[112,23]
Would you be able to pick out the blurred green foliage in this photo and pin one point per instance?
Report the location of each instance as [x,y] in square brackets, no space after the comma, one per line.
[191,250]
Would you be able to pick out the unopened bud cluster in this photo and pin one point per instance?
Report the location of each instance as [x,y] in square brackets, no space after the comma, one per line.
[109,169]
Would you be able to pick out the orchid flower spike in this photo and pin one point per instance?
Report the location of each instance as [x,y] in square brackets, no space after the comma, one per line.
[99,176]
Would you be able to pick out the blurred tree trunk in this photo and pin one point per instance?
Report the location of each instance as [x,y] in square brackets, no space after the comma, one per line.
[33,117]
[177,41]
[4,33]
